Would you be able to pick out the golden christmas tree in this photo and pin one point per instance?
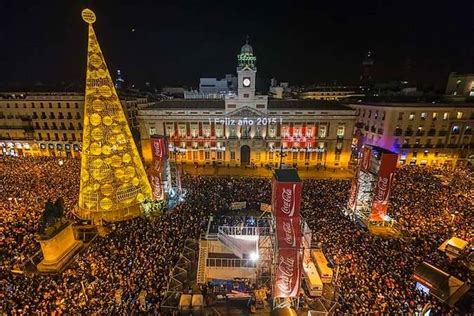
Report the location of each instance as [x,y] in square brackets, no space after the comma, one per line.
[113,179]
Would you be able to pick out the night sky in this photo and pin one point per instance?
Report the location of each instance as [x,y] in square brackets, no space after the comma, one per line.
[176,42]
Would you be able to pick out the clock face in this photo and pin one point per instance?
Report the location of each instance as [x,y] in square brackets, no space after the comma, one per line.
[246,82]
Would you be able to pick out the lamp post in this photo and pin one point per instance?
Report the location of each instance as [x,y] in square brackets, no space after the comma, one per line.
[281,155]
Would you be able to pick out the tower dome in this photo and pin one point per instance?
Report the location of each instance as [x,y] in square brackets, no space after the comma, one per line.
[246,49]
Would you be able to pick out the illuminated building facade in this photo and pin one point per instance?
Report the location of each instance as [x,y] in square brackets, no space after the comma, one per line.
[331,92]
[421,133]
[113,179]
[247,128]
[460,85]
[50,123]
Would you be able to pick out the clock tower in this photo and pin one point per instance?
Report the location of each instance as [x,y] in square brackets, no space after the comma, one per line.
[246,72]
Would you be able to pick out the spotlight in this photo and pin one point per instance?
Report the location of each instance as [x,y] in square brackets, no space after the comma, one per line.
[254,256]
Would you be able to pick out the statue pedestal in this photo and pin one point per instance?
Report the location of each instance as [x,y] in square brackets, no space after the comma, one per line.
[58,249]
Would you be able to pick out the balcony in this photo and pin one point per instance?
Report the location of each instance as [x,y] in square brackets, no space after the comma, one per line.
[453,145]
[428,146]
[398,132]
[439,146]
[417,146]
[409,132]
[420,133]
[406,146]
[443,133]
[468,132]
[431,132]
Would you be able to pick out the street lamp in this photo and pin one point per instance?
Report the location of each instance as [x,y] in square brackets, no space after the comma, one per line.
[281,154]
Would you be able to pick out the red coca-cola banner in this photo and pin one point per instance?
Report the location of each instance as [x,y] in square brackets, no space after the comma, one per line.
[388,164]
[365,162]
[286,198]
[288,232]
[287,273]
[159,149]
[353,195]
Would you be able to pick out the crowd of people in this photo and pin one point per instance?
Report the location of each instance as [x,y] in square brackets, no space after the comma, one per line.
[128,269]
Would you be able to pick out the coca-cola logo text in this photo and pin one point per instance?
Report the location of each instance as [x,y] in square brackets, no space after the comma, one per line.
[383,189]
[158,148]
[286,269]
[287,196]
[353,195]
[289,232]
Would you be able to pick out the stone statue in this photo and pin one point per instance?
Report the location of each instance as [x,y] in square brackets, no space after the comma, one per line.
[53,213]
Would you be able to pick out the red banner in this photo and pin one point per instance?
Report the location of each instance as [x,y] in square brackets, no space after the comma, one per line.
[365,162]
[388,164]
[288,232]
[287,274]
[353,195]
[159,149]
[286,198]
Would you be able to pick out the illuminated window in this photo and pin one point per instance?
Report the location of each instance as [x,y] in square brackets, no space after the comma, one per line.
[169,130]
[411,117]
[322,131]
[271,131]
[459,115]
[219,155]
[152,131]
[423,115]
[445,116]
[309,132]
[270,155]
[207,155]
[295,156]
[219,130]
[232,155]
[435,116]
[376,115]
[195,155]
[182,130]
[340,132]
[257,156]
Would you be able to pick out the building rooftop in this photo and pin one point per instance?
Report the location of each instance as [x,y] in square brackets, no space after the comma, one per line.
[272,104]
[416,105]
[307,105]
[189,104]
[415,101]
